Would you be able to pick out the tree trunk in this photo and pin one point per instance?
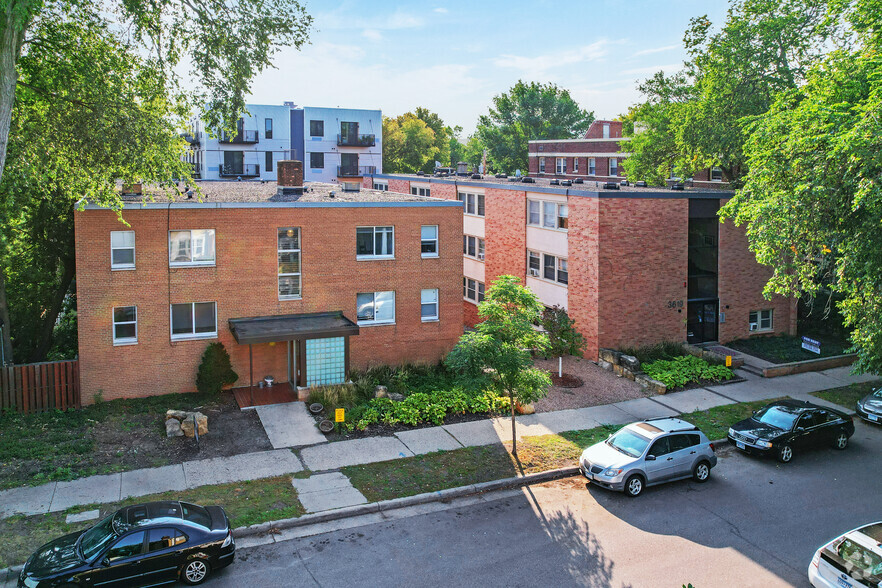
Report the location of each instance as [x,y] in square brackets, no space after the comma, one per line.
[48,329]
[16,19]
[514,439]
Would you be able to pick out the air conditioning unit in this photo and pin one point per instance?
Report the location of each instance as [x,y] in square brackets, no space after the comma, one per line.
[753,326]
[481,256]
[534,271]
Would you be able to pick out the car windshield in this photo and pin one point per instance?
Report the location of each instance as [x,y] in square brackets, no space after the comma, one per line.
[877,393]
[860,557]
[96,538]
[196,514]
[628,443]
[777,417]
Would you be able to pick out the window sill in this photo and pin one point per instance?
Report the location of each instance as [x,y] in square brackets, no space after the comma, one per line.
[194,337]
[547,281]
[206,264]
[556,230]
[473,258]
[122,268]
[374,324]
[762,331]
[283,298]
[124,343]
[481,216]
[430,255]
[374,258]
[470,301]
[431,320]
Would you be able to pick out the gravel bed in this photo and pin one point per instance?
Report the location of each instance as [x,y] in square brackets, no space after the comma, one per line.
[601,386]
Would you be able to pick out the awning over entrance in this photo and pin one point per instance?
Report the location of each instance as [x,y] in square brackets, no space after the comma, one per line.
[288,327]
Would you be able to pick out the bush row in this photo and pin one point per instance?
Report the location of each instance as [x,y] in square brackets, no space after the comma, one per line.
[680,371]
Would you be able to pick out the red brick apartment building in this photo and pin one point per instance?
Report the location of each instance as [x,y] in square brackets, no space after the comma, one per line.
[301,282]
[598,157]
[632,265]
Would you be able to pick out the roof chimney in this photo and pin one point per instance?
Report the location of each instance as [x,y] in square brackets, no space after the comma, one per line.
[290,182]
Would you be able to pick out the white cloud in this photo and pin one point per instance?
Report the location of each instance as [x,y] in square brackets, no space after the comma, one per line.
[538,66]
[440,10]
[657,50]
[372,34]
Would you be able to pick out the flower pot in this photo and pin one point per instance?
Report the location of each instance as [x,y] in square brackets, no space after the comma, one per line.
[326,426]
[316,407]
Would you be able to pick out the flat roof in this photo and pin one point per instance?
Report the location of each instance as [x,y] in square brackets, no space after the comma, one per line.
[287,327]
[588,188]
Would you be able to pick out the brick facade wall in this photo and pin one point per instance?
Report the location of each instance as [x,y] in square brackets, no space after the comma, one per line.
[583,288]
[243,283]
[505,234]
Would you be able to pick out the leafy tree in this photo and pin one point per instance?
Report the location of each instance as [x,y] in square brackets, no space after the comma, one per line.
[563,337]
[97,90]
[408,145]
[455,147]
[443,133]
[473,152]
[500,346]
[529,112]
[812,200]
[216,370]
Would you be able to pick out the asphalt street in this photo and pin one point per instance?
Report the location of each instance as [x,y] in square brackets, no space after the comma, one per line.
[755,523]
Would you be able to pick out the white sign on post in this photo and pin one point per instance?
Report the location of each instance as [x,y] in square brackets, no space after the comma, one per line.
[811,345]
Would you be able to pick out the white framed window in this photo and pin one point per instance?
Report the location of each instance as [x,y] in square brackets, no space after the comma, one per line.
[563,214]
[416,191]
[472,290]
[375,308]
[575,165]
[534,212]
[429,241]
[760,320]
[560,165]
[374,242]
[473,247]
[194,320]
[474,203]
[548,215]
[541,165]
[534,264]
[289,263]
[613,166]
[125,325]
[381,186]
[553,269]
[122,250]
[716,174]
[192,247]
[429,305]
[592,166]
[606,130]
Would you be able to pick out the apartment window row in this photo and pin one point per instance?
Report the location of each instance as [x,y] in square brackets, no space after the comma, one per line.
[472,290]
[378,308]
[760,320]
[191,320]
[473,247]
[416,191]
[474,203]
[548,215]
[548,267]
[381,186]
[560,166]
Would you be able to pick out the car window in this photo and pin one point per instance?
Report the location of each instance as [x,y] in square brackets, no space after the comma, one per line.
[660,447]
[128,546]
[860,557]
[680,442]
[196,514]
[164,538]
[805,421]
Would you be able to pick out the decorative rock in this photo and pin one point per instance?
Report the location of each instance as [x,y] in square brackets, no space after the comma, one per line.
[173,428]
[619,370]
[381,392]
[176,414]
[630,362]
[605,365]
[396,396]
[201,422]
[526,408]
[629,374]
[610,355]
[650,384]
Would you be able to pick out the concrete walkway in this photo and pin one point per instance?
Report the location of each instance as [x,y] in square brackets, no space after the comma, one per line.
[289,425]
[325,457]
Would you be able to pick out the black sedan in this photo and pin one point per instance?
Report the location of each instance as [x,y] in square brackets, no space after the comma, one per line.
[869,407]
[142,545]
[787,426]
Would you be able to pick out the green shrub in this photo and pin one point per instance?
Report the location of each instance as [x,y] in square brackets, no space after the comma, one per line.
[338,396]
[677,372]
[215,371]
[656,352]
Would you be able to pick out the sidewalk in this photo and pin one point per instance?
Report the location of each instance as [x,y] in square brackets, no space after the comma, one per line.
[325,457]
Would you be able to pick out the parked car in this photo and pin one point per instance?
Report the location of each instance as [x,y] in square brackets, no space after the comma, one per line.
[141,545]
[785,427]
[869,407]
[649,453]
[849,561]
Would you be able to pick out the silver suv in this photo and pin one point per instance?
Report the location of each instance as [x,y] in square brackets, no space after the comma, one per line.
[648,453]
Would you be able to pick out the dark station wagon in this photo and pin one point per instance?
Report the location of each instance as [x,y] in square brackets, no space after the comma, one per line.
[142,545]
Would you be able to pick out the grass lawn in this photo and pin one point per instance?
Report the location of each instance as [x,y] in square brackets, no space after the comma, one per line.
[471,465]
[715,422]
[786,349]
[848,396]
[246,503]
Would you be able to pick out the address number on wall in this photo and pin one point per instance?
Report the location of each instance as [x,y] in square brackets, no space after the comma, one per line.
[675,304]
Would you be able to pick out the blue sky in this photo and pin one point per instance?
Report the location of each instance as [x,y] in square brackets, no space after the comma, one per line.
[453,57]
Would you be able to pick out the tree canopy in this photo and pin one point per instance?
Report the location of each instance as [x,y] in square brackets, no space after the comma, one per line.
[414,141]
[525,113]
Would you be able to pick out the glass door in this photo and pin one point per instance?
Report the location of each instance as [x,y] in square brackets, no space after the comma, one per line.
[701,321]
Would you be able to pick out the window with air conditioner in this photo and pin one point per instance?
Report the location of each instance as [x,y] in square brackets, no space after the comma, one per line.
[533,264]
[760,320]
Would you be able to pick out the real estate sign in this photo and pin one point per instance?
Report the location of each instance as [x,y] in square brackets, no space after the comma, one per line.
[811,345]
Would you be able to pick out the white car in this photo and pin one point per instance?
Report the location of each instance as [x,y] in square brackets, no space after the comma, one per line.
[851,560]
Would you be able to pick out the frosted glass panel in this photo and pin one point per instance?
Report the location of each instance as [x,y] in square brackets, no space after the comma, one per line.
[325,361]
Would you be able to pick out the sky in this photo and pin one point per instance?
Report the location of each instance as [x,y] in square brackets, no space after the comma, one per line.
[453,57]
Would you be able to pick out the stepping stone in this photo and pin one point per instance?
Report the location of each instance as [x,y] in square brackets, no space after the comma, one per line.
[89,515]
[289,425]
[326,492]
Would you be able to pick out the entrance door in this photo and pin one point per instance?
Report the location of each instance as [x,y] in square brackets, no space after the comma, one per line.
[701,321]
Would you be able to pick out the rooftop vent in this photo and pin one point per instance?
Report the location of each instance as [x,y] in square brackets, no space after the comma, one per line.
[578,181]
[501,176]
[351,187]
[624,183]
[514,179]
[640,184]
[566,183]
[527,180]
[610,186]
[332,194]
[679,187]
[554,182]
[476,176]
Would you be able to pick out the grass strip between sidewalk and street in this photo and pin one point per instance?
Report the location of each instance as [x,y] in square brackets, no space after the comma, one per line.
[246,503]
[847,396]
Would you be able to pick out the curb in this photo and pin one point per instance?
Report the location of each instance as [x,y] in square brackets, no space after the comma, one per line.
[397,503]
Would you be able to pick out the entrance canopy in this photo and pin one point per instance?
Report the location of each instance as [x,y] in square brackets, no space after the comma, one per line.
[288,327]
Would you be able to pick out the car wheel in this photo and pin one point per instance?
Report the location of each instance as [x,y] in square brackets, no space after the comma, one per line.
[785,454]
[195,572]
[701,473]
[634,486]
[841,441]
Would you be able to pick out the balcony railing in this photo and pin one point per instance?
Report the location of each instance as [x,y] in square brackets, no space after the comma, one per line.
[355,171]
[243,137]
[248,170]
[356,140]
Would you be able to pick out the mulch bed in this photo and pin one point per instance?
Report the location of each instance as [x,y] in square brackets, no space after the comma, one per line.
[566,381]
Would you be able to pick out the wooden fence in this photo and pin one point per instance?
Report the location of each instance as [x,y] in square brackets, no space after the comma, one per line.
[39,387]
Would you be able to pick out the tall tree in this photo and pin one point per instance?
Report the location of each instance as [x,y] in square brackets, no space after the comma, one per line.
[525,113]
[442,135]
[500,346]
[812,200]
[226,43]
[455,147]
[408,145]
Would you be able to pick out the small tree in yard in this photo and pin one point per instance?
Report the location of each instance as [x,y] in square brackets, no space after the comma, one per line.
[500,346]
[563,337]
[215,371]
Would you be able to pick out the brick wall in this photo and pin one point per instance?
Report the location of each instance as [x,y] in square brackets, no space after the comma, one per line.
[741,281]
[505,233]
[642,264]
[243,283]
[470,314]
[582,291]
[595,131]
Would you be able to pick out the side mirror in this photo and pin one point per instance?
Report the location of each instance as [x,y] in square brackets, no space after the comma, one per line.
[105,562]
[650,458]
